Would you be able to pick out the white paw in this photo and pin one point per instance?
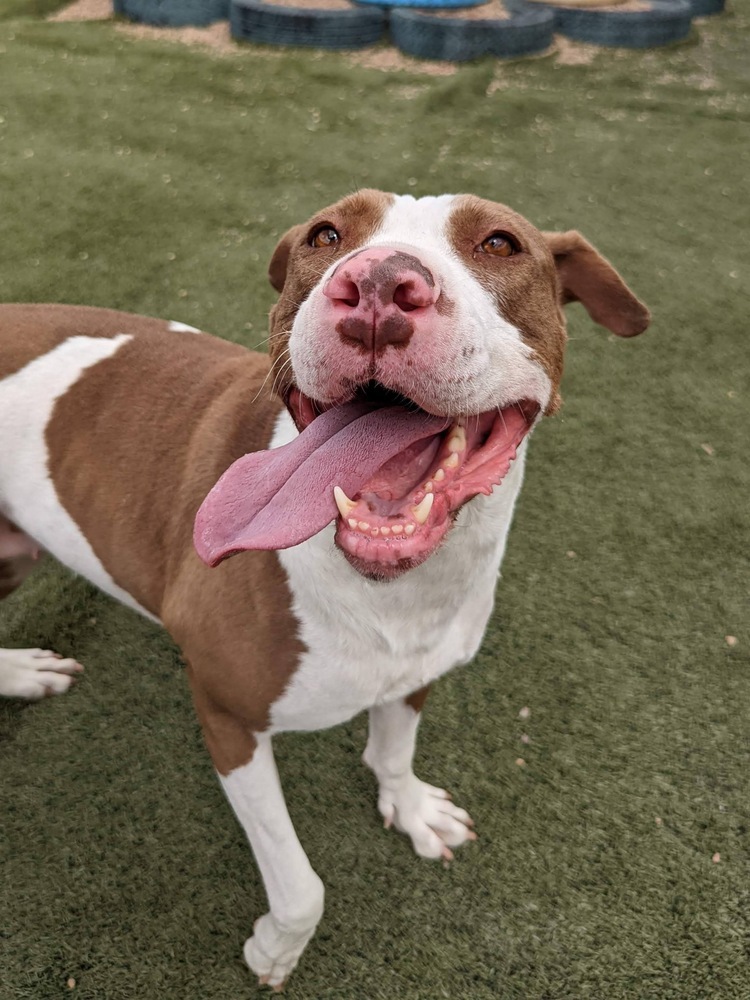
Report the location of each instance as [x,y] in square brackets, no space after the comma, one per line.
[428,816]
[272,952]
[35,673]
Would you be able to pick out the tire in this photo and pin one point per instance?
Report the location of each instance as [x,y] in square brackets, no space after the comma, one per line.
[254,21]
[457,39]
[666,21]
[174,13]
[437,4]
[702,8]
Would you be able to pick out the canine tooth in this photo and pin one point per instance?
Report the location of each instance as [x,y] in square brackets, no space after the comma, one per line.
[364,526]
[451,461]
[344,504]
[457,440]
[439,476]
[397,528]
[409,529]
[422,511]
[385,530]
[353,522]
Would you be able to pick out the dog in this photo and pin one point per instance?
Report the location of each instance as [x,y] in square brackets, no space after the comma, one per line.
[289,518]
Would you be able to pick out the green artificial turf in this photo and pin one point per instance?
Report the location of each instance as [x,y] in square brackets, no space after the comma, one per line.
[28,8]
[156,178]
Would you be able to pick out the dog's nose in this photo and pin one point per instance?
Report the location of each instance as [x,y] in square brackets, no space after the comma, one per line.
[381,296]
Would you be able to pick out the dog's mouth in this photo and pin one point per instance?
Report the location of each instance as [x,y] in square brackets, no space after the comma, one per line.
[392,475]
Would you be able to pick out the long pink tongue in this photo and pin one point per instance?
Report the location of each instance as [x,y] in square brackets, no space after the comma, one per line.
[279,498]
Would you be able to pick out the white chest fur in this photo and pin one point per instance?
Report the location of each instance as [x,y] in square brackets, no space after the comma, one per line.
[369,643]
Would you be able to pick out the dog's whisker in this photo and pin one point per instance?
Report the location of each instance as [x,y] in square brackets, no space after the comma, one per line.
[268,375]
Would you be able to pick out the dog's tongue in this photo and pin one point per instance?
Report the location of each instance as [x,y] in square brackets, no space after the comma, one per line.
[278,498]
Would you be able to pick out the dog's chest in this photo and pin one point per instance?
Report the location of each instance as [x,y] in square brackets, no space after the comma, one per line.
[369,642]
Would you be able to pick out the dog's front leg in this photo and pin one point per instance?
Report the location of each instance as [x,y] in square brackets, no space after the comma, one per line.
[295,893]
[424,812]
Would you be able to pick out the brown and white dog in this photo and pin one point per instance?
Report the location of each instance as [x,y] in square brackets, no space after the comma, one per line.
[414,345]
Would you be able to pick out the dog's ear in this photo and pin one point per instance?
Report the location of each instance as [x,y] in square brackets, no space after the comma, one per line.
[586,277]
[280,259]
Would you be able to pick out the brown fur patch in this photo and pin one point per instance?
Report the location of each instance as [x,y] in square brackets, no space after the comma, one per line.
[296,267]
[28,331]
[524,285]
[551,270]
[417,699]
[135,445]
[587,277]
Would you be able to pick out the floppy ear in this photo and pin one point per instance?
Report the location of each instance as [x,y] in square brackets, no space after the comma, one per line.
[280,259]
[585,276]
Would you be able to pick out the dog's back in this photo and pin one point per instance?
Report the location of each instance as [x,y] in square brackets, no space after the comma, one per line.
[97,412]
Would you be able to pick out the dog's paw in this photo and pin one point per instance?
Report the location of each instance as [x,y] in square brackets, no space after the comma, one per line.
[428,816]
[35,673]
[273,952]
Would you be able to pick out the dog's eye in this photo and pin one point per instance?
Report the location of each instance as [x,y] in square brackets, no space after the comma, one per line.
[499,245]
[324,236]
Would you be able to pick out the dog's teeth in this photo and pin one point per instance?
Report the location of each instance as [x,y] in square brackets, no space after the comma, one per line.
[375,531]
[451,461]
[353,522]
[397,528]
[422,511]
[439,476]
[409,529]
[428,487]
[385,530]
[344,504]
[457,440]
[364,526]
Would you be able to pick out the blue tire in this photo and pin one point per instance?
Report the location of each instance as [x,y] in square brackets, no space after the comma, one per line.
[254,21]
[174,13]
[437,4]
[666,21]
[702,8]
[457,39]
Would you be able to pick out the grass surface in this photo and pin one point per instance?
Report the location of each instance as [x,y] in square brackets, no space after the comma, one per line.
[28,8]
[155,178]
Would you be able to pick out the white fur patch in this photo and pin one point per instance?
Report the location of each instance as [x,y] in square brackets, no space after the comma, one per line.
[27,494]
[370,643]
[35,673]
[295,893]
[176,327]
[422,811]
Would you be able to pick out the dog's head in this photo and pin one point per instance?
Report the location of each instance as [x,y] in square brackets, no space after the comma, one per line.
[415,343]
[449,306]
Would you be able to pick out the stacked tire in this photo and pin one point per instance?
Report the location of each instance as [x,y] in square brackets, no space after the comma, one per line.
[660,23]
[272,24]
[173,13]
[455,38]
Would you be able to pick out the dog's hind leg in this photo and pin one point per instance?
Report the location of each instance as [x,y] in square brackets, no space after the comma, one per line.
[27,673]
[425,813]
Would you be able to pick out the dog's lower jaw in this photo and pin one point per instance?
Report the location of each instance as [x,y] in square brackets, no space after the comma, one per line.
[383,572]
